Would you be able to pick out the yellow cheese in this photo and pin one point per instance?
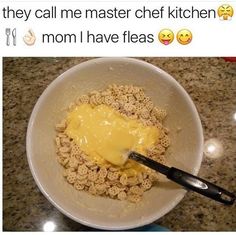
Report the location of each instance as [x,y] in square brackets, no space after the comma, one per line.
[105,135]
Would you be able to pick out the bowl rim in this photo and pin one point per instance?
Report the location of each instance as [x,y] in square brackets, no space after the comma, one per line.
[53,84]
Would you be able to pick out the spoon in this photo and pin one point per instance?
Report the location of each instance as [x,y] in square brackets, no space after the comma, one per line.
[185,179]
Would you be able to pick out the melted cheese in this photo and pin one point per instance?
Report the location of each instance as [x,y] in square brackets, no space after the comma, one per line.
[105,135]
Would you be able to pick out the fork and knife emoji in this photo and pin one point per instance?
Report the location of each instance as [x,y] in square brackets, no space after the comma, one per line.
[29,38]
[10,33]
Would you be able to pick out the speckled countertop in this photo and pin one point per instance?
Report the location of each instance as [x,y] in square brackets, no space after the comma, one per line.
[210,82]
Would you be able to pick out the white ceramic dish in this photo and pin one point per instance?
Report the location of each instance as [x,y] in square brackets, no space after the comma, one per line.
[185,151]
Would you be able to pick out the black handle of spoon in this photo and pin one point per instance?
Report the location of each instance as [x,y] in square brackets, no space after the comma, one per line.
[187,180]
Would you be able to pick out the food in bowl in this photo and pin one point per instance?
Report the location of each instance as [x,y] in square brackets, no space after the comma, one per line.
[185,151]
[102,126]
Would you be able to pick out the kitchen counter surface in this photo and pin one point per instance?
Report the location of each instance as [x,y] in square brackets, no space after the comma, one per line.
[210,82]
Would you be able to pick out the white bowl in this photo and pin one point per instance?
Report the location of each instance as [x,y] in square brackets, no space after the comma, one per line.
[99,212]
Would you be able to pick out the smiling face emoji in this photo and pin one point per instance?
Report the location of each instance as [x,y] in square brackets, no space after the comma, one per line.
[166,36]
[225,11]
[184,36]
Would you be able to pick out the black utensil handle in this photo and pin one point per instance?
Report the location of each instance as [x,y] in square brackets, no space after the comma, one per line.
[201,186]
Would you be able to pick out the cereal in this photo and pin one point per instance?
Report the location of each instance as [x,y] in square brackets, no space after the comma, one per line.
[88,184]
[92,190]
[100,180]
[92,176]
[78,186]
[102,172]
[93,168]
[64,149]
[113,175]
[139,106]
[153,120]
[93,100]
[135,90]
[68,171]
[84,99]
[115,105]
[124,179]
[113,169]
[146,184]
[147,123]
[165,141]
[144,113]
[128,107]
[106,93]
[61,126]
[132,181]
[61,135]
[65,162]
[108,100]
[140,96]
[153,177]
[82,177]
[113,191]
[65,141]
[65,155]
[155,151]
[136,190]
[149,106]
[161,114]
[122,196]
[123,99]
[75,149]
[134,198]
[71,177]
[73,162]
[84,156]
[83,182]
[161,159]
[105,179]
[58,142]
[131,100]
[82,170]
[60,159]
[90,164]
[101,188]
[115,183]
